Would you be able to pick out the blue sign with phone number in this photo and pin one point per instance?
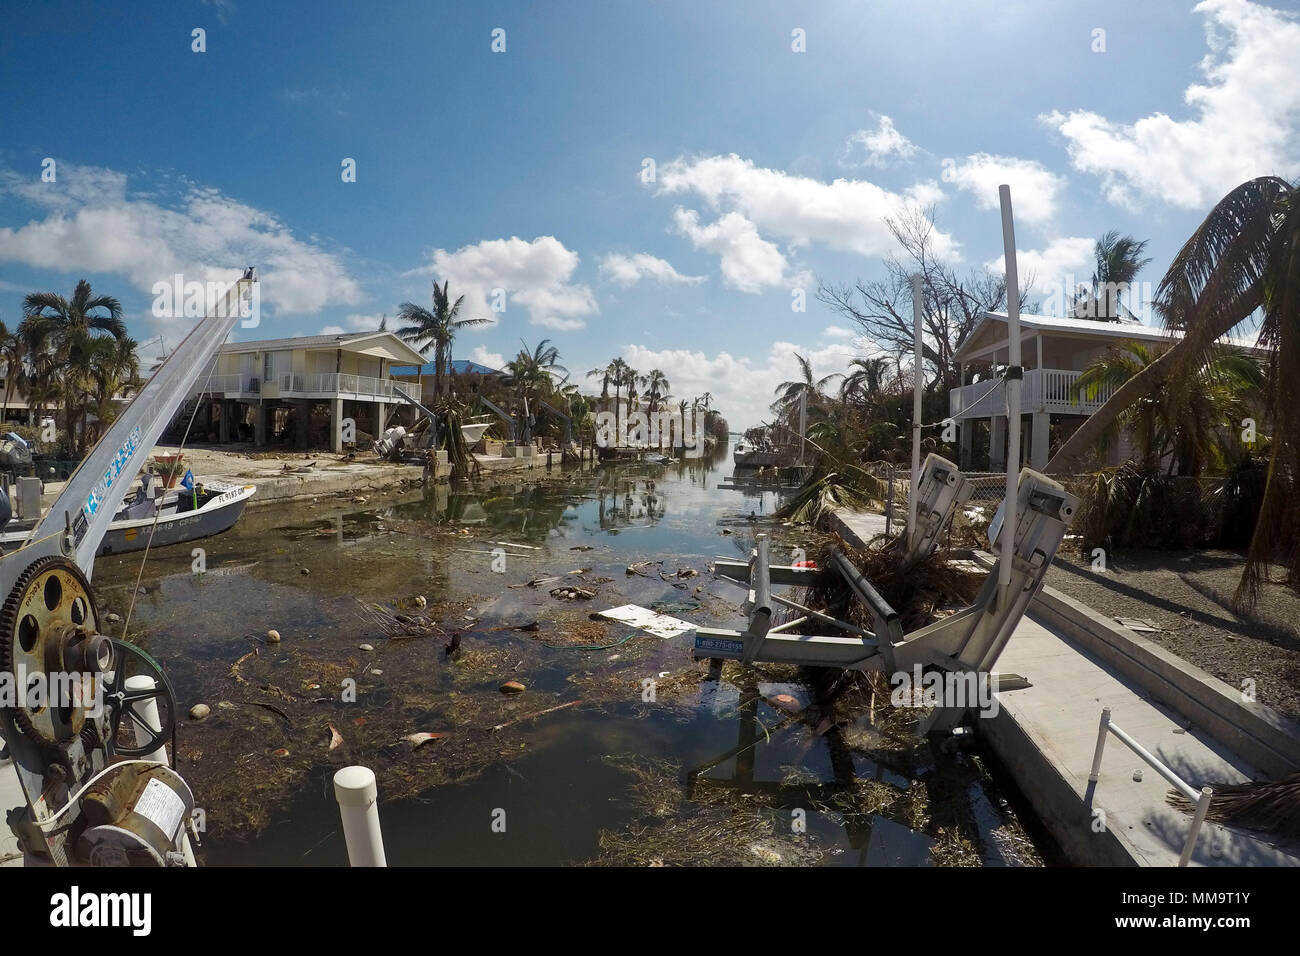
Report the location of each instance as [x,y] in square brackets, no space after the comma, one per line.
[113,471]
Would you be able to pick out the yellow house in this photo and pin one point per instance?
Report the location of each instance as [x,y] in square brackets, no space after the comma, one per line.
[304,391]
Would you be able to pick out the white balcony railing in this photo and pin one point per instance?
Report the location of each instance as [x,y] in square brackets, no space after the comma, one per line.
[327,385]
[1044,389]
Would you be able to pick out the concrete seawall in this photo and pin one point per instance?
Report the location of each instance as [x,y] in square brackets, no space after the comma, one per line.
[1078,662]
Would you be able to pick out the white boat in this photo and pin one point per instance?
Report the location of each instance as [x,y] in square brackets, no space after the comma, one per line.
[473,431]
[174,516]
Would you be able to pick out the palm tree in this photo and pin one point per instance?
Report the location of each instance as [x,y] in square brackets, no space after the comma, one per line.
[1194,439]
[52,327]
[1244,257]
[113,370]
[1119,260]
[656,384]
[788,393]
[629,376]
[866,381]
[533,373]
[435,330]
[606,373]
[11,355]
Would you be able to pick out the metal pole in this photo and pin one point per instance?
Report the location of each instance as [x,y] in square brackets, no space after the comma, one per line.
[1202,808]
[358,797]
[889,502]
[760,616]
[918,380]
[1095,774]
[803,422]
[146,712]
[1014,375]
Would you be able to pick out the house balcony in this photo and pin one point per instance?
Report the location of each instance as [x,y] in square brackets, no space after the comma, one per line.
[1044,390]
[332,385]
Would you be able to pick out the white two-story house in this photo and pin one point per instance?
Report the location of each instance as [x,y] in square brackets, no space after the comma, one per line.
[1053,352]
[300,391]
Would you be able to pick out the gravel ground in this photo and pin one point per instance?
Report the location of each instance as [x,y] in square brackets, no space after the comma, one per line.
[1187,595]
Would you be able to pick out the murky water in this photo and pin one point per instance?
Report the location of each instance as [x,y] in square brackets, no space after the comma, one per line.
[616,765]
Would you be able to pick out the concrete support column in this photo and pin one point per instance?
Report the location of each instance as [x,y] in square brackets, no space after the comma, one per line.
[223,425]
[336,425]
[998,443]
[304,419]
[1040,440]
[966,443]
[381,415]
[259,423]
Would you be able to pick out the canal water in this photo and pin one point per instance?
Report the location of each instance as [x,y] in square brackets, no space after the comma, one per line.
[611,779]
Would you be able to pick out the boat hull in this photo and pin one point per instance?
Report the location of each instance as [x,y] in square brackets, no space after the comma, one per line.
[216,516]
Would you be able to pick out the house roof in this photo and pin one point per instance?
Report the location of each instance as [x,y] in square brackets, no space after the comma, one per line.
[987,334]
[459,366]
[372,343]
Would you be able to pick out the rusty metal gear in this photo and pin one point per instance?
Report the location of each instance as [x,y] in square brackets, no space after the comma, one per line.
[47,623]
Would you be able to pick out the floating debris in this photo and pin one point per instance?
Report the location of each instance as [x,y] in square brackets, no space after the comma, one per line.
[512,687]
[418,740]
[273,636]
[336,738]
[199,711]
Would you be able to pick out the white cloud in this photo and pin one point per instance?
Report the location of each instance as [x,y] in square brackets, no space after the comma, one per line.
[92,224]
[370,323]
[876,147]
[536,275]
[629,270]
[837,332]
[491,359]
[1057,269]
[748,261]
[755,203]
[742,389]
[1034,187]
[1245,119]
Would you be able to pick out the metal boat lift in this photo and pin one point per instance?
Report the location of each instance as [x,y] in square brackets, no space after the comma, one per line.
[969,640]
[100,790]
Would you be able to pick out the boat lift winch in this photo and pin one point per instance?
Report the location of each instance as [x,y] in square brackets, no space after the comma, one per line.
[100,789]
[968,641]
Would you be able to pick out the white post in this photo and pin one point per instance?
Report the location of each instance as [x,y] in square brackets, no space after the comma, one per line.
[1095,774]
[148,714]
[918,377]
[1014,373]
[1202,808]
[358,797]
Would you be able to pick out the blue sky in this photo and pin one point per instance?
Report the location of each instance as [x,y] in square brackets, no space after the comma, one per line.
[522,170]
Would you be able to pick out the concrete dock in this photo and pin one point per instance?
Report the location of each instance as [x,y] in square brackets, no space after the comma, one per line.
[1078,662]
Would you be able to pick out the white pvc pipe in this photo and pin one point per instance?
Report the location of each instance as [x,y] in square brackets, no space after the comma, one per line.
[1095,774]
[358,797]
[1202,808]
[148,713]
[918,377]
[1013,392]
